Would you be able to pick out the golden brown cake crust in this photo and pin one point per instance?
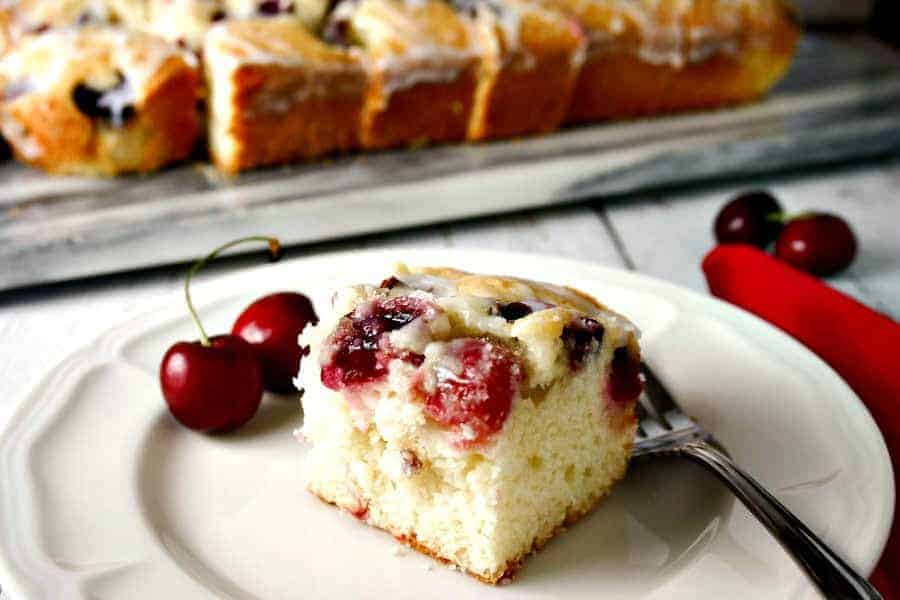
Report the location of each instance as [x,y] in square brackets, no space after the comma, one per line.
[510,288]
[423,113]
[725,66]
[313,128]
[527,81]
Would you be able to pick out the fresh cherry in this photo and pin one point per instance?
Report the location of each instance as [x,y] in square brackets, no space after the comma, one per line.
[271,325]
[750,218]
[216,387]
[214,384]
[818,243]
[477,398]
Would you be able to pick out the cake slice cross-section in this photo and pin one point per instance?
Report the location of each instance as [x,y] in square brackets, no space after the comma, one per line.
[470,416]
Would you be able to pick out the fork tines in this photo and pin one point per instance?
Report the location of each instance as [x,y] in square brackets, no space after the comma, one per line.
[661,423]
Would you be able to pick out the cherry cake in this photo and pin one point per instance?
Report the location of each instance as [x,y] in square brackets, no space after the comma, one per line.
[470,416]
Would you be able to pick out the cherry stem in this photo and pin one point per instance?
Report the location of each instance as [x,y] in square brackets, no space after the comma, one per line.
[784,217]
[777,217]
[274,250]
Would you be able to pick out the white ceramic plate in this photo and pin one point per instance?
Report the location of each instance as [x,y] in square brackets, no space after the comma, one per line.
[105,496]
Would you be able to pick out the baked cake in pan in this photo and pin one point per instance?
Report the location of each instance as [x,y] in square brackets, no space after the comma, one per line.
[470,416]
[434,70]
[99,100]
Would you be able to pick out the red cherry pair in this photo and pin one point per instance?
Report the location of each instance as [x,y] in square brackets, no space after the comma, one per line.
[819,243]
[216,384]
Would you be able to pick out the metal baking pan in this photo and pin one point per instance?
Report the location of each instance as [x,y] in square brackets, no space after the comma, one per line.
[841,101]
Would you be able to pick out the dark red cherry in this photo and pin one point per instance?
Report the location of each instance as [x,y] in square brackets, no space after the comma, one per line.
[477,398]
[625,381]
[89,17]
[271,325]
[390,283]
[215,384]
[337,30]
[819,243]
[274,7]
[750,218]
[514,311]
[355,353]
[212,388]
[581,337]
[114,105]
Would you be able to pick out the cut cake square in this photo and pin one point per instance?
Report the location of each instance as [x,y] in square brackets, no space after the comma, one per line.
[424,66]
[277,93]
[657,56]
[99,100]
[531,57]
[470,416]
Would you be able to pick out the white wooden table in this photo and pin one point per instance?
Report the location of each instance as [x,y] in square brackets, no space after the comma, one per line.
[665,234]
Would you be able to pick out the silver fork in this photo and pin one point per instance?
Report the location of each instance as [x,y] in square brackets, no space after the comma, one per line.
[663,428]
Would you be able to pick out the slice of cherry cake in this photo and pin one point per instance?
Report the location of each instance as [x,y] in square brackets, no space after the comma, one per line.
[470,416]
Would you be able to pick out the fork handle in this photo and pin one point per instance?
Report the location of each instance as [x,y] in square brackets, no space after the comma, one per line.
[834,577]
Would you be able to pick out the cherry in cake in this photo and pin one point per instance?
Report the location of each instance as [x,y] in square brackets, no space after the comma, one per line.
[358,352]
[474,393]
[470,416]
[114,105]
